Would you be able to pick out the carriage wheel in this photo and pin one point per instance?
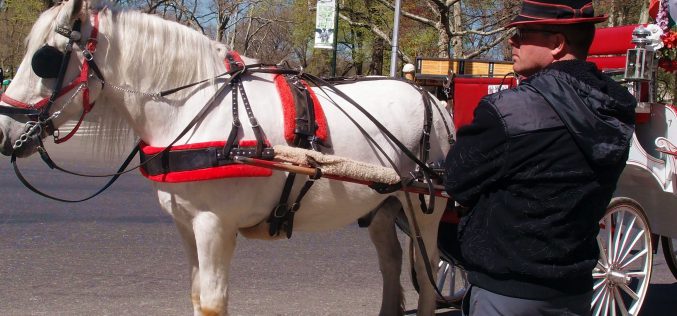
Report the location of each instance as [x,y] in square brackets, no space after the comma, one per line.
[670,253]
[621,277]
[451,280]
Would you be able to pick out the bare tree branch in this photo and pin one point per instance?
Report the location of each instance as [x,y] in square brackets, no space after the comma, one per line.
[409,15]
[380,33]
[489,46]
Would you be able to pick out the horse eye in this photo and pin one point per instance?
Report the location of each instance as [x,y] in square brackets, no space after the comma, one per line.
[47,61]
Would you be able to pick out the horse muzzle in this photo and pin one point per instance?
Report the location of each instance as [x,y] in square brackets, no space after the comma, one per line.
[19,138]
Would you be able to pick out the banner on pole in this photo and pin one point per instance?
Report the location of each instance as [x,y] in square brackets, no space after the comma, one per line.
[324,24]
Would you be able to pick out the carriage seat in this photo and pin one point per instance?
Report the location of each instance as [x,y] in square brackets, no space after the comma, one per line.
[610,46]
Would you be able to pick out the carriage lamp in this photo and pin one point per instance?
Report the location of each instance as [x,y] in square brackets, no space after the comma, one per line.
[638,65]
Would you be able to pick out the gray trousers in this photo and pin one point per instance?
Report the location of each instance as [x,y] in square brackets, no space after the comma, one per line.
[481,302]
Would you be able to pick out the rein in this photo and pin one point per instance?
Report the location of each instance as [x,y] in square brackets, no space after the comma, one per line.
[426,172]
[234,73]
[319,82]
[44,119]
[121,170]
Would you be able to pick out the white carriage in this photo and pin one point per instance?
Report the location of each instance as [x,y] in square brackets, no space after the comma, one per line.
[640,213]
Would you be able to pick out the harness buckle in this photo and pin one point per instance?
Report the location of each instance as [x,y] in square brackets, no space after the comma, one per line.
[87,54]
[294,207]
[280,207]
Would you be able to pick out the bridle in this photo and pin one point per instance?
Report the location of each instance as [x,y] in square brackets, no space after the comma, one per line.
[49,62]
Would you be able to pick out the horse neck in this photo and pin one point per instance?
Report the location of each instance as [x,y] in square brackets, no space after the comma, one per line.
[139,54]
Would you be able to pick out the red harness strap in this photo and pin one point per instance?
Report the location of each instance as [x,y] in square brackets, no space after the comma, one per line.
[209,173]
[236,59]
[289,110]
[82,79]
[238,170]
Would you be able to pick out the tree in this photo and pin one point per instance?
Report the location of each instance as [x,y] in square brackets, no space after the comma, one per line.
[16,17]
[436,28]
[624,12]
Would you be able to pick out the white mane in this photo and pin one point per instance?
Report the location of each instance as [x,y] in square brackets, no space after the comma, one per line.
[169,53]
[147,54]
[41,30]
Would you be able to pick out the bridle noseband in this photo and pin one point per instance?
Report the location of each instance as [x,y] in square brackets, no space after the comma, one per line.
[49,62]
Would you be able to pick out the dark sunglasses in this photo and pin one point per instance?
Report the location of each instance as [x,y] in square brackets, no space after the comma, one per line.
[521,34]
[46,62]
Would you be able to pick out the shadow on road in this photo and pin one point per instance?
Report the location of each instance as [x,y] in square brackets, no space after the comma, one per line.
[438,312]
[660,299]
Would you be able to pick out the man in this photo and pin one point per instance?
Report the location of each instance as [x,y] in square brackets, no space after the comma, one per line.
[537,167]
[408,70]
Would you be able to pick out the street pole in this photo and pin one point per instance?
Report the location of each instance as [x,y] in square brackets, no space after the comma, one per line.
[396,38]
[333,55]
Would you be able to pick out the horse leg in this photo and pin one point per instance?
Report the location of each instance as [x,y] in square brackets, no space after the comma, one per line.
[188,238]
[428,224]
[384,236]
[215,243]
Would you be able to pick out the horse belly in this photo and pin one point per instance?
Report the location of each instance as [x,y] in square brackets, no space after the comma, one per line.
[245,202]
[333,204]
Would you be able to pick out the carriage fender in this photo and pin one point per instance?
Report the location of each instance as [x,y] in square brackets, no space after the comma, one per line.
[639,184]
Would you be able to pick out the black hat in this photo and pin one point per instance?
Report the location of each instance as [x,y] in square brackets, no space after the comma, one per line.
[556,12]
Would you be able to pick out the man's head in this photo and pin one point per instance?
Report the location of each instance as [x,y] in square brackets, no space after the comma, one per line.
[551,30]
[408,71]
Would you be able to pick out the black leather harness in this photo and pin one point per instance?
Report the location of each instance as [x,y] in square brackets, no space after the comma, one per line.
[193,159]
[282,215]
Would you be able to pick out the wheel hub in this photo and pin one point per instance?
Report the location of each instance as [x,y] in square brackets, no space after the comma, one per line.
[617,277]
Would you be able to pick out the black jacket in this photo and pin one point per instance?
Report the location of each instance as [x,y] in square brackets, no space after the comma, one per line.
[538,178]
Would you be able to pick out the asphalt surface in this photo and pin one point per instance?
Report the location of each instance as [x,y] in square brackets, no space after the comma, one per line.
[119,254]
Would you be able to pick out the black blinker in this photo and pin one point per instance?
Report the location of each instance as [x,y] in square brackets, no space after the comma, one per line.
[47,61]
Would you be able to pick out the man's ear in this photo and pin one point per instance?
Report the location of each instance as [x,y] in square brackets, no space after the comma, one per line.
[558,46]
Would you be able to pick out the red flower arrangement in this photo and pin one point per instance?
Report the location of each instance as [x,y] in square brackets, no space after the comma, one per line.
[667,56]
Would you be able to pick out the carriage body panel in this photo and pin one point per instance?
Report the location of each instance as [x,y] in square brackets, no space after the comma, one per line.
[649,176]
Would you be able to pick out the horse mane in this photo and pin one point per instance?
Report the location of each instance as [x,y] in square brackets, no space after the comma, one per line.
[41,30]
[145,45]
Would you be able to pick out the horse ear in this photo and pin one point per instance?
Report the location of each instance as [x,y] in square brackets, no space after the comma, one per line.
[70,12]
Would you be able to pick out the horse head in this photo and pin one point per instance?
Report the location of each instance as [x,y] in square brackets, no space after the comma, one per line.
[75,45]
[44,93]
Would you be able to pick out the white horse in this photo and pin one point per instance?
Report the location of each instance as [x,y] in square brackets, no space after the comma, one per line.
[139,54]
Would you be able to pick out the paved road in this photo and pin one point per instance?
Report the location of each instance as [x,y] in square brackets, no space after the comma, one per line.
[118,254]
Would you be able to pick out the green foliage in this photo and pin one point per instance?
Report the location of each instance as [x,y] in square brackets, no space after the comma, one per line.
[16,18]
[421,43]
